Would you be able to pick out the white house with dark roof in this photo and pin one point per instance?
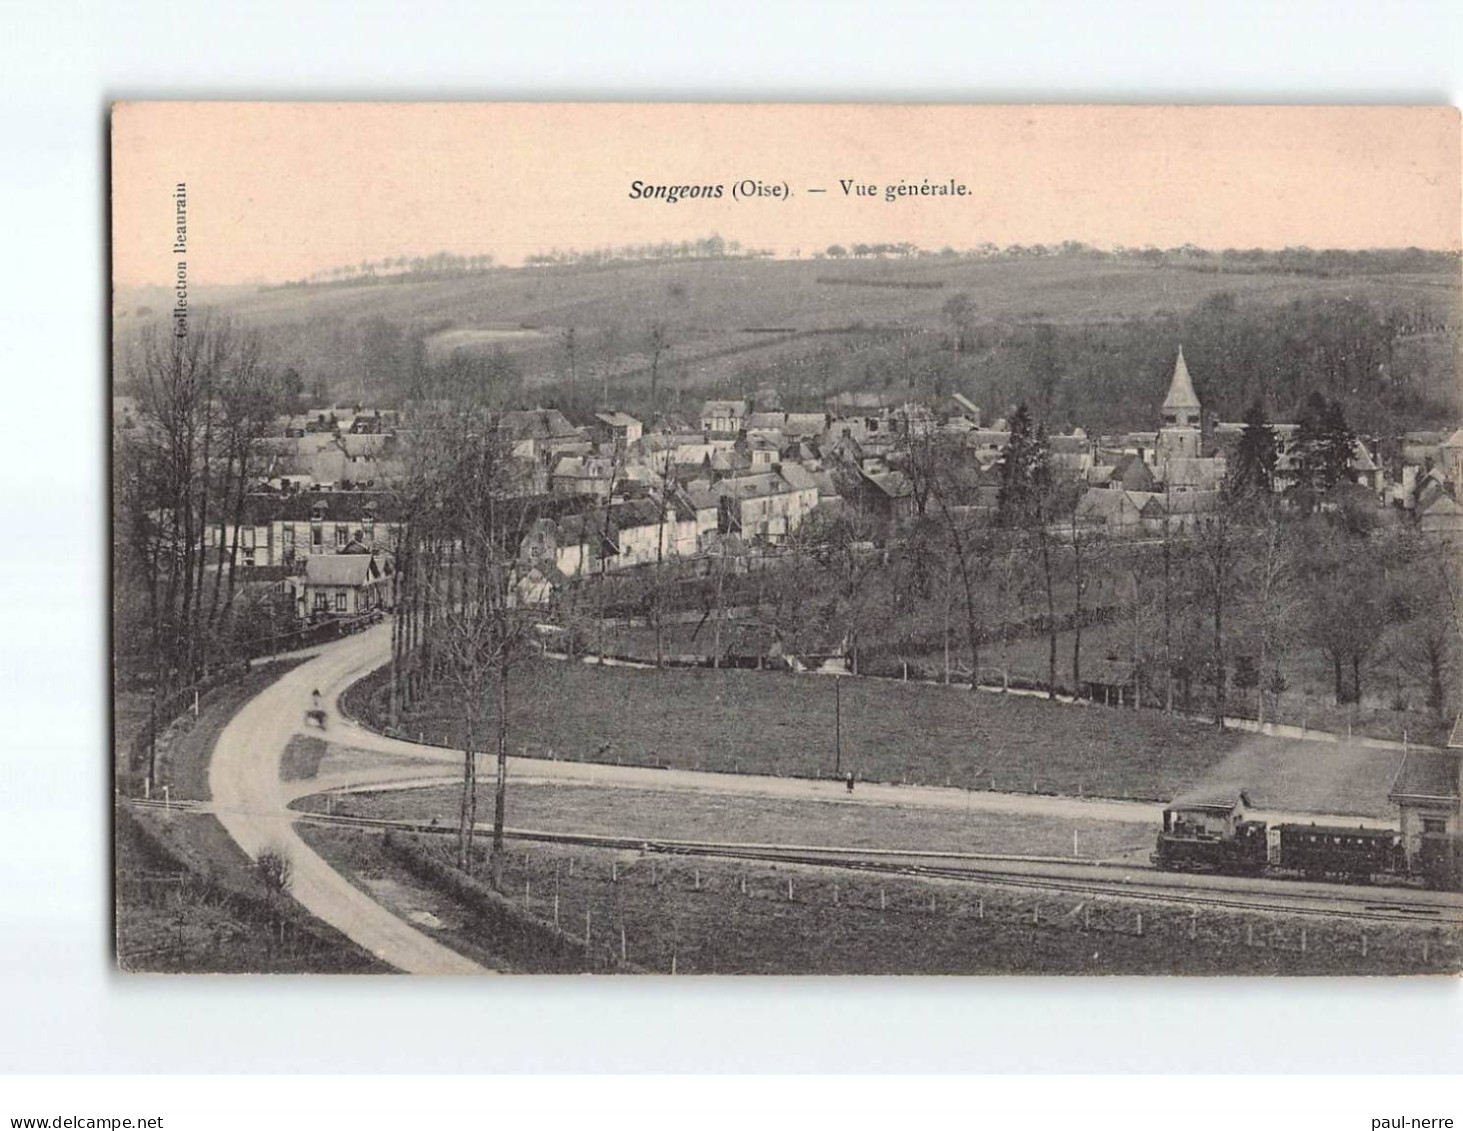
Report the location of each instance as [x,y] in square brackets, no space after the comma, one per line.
[344,585]
[723,416]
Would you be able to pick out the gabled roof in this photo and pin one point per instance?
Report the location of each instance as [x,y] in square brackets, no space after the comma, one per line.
[1441,503]
[584,467]
[1427,775]
[798,477]
[701,497]
[1361,459]
[1179,502]
[1455,440]
[751,486]
[537,424]
[340,569]
[827,486]
[1203,471]
[1181,389]
[1107,504]
[1216,799]
[805,424]
[334,506]
[892,483]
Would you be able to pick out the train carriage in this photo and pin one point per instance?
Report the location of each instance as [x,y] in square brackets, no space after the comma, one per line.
[1355,853]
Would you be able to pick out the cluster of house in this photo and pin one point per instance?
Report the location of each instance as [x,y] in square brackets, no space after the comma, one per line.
[604,491]
[1141,481]
[332,449]
[731,478]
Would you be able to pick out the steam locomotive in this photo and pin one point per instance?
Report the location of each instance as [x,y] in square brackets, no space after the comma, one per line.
[1214,835]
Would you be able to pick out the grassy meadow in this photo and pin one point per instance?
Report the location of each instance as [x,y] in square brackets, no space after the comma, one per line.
[740,721]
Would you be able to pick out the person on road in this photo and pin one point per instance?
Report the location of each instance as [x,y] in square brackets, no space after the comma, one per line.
[315,699]
[849,781]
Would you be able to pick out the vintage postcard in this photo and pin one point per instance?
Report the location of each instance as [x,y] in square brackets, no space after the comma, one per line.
[787,539]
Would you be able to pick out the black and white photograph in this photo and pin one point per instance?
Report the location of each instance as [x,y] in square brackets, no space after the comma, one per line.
[824,539]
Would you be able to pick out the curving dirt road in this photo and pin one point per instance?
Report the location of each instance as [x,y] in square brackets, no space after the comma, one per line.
[250,800]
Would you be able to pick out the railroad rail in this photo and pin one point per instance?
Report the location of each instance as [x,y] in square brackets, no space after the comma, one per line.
[1059,874]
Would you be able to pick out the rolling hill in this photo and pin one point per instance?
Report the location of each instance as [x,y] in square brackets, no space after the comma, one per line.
[731,320]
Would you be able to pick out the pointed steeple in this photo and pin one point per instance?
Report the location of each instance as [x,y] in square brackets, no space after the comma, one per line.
[1181,393]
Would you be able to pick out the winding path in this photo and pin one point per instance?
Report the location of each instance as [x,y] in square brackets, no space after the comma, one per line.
[250,801]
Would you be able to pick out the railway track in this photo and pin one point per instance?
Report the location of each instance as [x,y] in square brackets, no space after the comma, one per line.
[1036,873]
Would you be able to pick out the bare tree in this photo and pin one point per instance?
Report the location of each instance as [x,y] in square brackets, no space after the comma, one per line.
[1086,562]
[657,343]
[570,342]
[1217,545]
[1269,596]
[204,402]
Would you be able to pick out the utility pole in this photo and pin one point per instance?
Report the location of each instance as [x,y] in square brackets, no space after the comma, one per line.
[837,726]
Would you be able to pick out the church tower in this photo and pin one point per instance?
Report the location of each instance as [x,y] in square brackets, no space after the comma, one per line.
[1181,436]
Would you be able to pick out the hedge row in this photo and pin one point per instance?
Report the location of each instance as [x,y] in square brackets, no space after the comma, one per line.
[524,940]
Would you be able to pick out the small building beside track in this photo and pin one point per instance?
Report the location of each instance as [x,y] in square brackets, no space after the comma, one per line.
[1427,794]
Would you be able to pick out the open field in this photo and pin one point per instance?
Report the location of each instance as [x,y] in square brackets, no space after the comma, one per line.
[795,293]
[689,816]
[741,721]
[1314,777]
[1309,700]
[709,916]
[806,319]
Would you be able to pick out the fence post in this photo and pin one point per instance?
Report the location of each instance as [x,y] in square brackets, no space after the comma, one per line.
[1302,940]
[624,947]
[614,872]
[1075,851]
[744,883]
[1194,923]
[1140,924]
[556,911]
[835,893]
[980,909]
[698,879]
[586,930]
[789,888]
[1250,937]
[1363,944]
[883,903]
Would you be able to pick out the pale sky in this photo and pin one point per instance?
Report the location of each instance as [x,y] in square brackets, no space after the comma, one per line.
[278,191]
